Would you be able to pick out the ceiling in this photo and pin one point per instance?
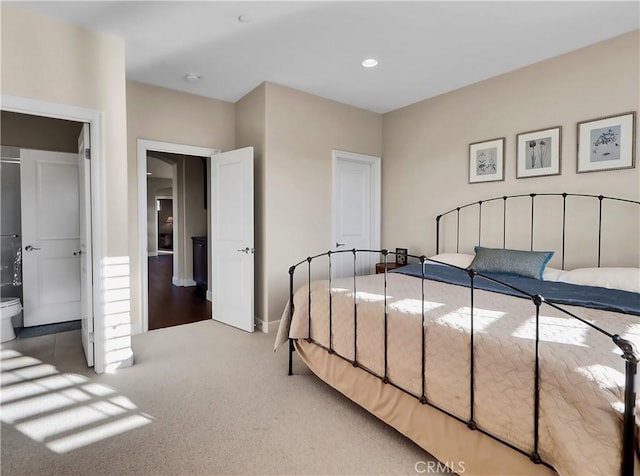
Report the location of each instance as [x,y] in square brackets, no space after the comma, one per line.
[158,168]
[424,48]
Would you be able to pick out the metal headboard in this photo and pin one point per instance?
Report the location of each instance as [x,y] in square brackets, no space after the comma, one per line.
[504,198]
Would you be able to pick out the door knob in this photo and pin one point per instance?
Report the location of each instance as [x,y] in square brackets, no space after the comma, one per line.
[247,250]
[77,253]
[339,244]
[31,248]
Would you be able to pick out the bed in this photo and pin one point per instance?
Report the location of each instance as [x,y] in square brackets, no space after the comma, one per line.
[493,362]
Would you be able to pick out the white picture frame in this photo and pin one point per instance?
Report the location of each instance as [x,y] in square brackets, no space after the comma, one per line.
[486,161]
[606,143]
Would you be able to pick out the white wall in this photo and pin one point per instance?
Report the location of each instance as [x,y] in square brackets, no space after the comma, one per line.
[250,131]
[301,132]
[426,145]
[47,60]
[293,134]
[193,214]
[164,115]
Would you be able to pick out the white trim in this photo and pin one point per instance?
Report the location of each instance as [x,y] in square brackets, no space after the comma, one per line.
[209,296]
[376,193]
[184,282]
[136,328]
[142,147]
[95,118]
[267,326]
[176,219]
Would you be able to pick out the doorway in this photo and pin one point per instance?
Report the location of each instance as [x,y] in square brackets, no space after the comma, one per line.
[175,264]
[176,217]
[230,221]
[53,266]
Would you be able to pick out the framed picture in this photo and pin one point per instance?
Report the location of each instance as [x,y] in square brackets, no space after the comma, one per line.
[538,153]
[607,143]
[486,161]
[401,255]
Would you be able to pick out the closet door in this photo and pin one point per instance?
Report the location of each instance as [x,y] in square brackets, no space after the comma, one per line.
[356,212]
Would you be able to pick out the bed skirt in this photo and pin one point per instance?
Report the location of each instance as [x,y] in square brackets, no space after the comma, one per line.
[448,440]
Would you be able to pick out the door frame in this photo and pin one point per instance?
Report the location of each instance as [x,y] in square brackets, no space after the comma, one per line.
[95,119]
[376,193]
[143,146]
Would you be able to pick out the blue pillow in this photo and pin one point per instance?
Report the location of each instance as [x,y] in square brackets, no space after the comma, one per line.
[530,264]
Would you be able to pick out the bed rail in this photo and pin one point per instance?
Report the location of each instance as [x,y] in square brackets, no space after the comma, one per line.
[564,196]
[629,352]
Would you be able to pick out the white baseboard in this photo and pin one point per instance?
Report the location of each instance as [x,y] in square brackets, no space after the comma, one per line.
[121,364]
[136,328]
[209,296]
[267,326]
[182,282]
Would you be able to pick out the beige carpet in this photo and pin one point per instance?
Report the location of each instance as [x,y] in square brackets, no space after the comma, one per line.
[202,398]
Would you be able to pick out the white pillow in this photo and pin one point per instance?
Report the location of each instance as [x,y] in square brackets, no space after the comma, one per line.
[461,260]
[552,274]
[625,279]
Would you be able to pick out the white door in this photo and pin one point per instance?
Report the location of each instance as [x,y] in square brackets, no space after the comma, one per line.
[232,237]
[49,184]
[356,212]
[85,251]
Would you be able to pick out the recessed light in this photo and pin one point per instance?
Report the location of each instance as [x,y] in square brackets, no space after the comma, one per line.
[370,63]
[192,77]
[244,18]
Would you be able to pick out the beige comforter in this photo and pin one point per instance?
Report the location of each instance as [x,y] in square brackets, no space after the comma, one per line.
[581,371]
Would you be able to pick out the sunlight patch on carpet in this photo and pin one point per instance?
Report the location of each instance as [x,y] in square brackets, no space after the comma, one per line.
[63,411]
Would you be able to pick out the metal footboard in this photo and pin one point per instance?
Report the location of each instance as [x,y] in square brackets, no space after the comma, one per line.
[629,353]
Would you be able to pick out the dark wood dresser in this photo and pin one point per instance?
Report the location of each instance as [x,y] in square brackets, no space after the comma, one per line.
[200,269]
[390,266]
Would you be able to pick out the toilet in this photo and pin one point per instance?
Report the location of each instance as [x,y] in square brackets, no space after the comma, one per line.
[9,307]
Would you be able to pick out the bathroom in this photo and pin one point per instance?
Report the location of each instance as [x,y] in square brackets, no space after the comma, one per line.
[39,216]
[10,243]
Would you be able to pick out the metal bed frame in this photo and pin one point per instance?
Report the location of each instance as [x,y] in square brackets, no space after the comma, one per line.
[504,198]
[629,353]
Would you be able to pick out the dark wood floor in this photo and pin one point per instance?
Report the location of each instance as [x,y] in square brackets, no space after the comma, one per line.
[171,305]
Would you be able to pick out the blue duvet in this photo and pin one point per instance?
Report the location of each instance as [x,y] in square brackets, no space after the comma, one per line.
[558,293]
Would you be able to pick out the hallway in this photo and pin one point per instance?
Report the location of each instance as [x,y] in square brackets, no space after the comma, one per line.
[172,305]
